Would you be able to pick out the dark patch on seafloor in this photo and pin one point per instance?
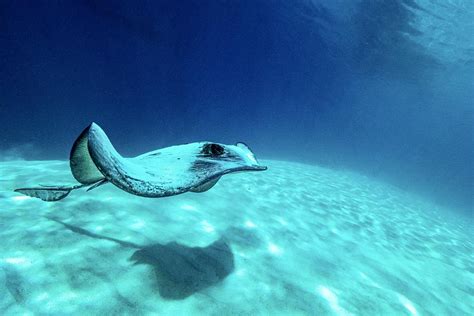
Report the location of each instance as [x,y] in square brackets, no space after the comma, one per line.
[14,283]
[242,237]
[180,270]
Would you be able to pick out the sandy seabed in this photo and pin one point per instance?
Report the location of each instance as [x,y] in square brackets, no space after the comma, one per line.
[306,240]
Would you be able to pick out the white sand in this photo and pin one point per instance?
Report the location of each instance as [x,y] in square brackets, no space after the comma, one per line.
[306,240]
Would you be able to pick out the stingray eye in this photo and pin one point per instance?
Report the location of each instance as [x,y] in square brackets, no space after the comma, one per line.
[213,149]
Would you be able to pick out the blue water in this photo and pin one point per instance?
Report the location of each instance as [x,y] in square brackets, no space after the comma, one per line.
[383,89]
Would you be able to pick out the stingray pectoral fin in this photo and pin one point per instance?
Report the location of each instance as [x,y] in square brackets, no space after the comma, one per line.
[126,173]
[205,186]
[49,194]
[82,166]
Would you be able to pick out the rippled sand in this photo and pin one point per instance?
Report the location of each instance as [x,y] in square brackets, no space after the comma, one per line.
[306,241]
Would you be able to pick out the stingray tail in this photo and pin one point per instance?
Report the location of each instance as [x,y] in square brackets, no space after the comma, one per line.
[83,169]
[51,193]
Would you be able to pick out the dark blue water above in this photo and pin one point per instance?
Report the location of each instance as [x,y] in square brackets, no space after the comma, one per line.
[382,87]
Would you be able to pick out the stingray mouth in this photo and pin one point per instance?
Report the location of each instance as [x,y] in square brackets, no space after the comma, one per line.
[251,163]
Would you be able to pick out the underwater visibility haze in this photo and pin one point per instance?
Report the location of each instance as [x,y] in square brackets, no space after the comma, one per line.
[357,115]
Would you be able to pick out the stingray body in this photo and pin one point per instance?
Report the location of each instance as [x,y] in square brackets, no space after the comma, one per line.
[194,167]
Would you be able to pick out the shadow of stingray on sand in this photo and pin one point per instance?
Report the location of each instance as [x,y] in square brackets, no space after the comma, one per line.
[180,270]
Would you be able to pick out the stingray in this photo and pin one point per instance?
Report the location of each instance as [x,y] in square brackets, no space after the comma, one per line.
[180,270]
[193,167]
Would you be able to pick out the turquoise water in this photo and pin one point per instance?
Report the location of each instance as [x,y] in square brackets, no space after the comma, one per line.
[381,88]
[305,240]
